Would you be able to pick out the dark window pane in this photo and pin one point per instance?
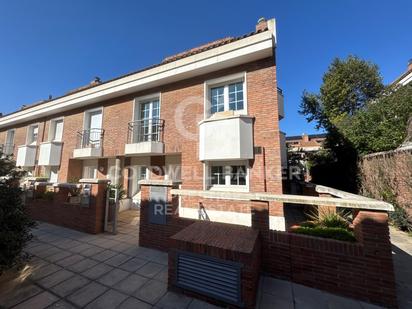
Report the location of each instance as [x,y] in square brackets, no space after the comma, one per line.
[217,175]
[238,175]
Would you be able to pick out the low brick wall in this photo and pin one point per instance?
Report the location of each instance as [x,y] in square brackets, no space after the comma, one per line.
[75,216]
[361,270]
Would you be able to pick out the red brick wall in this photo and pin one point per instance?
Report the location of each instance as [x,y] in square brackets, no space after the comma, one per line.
[74,216]
[362,270]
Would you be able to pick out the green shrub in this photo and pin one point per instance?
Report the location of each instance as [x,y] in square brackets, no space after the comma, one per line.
[337,233]
[121,192]
[15,224]
[328,217]
[401,219]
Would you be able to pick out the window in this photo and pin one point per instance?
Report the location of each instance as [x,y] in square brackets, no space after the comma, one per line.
[52,173]
[217,103]
[90,169]
[218,177]
[147,126]
[226,94]
[236,96]
[238,175]
[228,175]
[56,130]
[9,145]
[32,134]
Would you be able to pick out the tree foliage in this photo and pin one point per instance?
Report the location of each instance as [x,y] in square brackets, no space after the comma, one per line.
[346,88]
[15,224]
[382,124]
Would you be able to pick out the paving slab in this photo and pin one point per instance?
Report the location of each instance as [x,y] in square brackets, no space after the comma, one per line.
[133,264]
[87,294]
[39,273]
[131,284]
[117,259]
[113,277]
[109,300]
[39,301]
[104,255]
[97,271]
[174,301]
[133,303]
[61,305]
[83,265]
[69,286]
[75,258]
[151,292]
[55,278]
[150,269]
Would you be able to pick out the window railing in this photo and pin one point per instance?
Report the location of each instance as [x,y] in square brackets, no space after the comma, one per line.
[146,130]
[91,138]
[7,149]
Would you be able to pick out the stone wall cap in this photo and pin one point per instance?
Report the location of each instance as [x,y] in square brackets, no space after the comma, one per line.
[159,182]
[92,180]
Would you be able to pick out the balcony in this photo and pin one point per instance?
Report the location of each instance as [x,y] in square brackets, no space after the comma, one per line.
[145,137]
[50,153]
[6,149]
[281,104]
[226,138]
[89,144]
[26,155]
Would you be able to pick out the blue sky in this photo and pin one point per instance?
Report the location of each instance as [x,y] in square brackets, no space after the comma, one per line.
[50,47]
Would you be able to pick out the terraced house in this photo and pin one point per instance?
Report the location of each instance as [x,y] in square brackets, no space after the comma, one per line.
[207,117]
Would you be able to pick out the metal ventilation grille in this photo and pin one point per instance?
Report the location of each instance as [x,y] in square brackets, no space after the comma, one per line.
[211,277]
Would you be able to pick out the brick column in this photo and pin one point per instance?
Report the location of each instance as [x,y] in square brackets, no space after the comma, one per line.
[260,216]
[372,231]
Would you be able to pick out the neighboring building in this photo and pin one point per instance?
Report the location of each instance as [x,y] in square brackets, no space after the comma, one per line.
[298,147]
[406,77]
[305,142]
[208,117]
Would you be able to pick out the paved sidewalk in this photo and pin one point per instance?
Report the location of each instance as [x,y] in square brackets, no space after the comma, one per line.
[402,259]
[71,269]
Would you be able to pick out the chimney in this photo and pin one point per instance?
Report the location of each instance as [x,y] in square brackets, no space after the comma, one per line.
[96,81]
[410,65]
[262,24]
[305,137]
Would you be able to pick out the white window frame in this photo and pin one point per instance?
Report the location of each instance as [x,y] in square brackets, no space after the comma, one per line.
[143,99]
[225,81]
[52,129]
[7,136]
[94,163]
[86,118]
[30,129]
[227,186]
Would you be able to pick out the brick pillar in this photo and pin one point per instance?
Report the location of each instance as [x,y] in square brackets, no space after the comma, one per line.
[372,231]
[260,216]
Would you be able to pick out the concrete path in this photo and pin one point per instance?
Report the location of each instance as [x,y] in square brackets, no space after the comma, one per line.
[402,259]
[71,269]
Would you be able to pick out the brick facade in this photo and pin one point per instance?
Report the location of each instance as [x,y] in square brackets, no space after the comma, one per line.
[265,168]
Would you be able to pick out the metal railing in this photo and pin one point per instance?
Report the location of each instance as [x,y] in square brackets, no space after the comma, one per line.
[91,138]
[7,149]
[146,130]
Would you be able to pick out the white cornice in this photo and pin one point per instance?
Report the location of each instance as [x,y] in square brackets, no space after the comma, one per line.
[245,50]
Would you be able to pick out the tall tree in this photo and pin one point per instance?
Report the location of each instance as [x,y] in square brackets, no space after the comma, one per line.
[347,87]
